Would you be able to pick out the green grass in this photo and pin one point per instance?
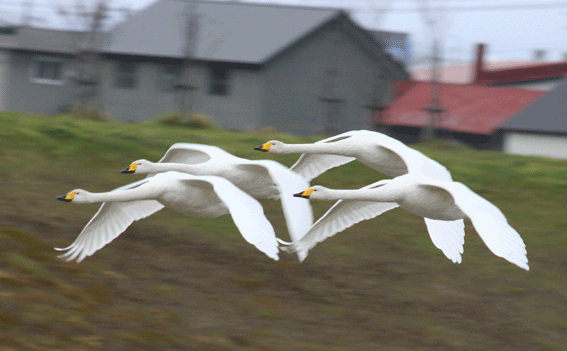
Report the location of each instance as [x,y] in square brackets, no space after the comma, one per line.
[178,283]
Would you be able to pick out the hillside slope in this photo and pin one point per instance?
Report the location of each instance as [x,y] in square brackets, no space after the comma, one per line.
[176,283]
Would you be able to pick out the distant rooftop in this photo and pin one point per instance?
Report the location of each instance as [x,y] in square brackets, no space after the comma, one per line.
[468,108]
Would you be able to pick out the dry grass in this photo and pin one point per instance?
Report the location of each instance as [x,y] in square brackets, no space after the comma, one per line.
[176,283]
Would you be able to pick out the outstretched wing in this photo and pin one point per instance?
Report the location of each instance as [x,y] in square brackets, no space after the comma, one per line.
[310,166]
[297,212]
[190,153]
[108,223]
[490,224]
[247,214]
[342,215]
[447,236]
[416,162]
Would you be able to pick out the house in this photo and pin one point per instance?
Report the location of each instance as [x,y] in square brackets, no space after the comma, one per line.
[37,69]
[471,114]
[529,74]
[302,70]
[539,129]
[540,75]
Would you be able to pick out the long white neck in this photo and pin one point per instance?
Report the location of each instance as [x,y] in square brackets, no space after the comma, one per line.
[381,194]
[315,148]
[178,167]
[136,194]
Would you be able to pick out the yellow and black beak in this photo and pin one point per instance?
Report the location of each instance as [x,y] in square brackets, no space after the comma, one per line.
[264,147]
[304,194]
[68,197]
[130,169]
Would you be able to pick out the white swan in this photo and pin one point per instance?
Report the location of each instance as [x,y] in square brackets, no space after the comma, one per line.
[444,203]
[376,150]
[195,196]
[259,178]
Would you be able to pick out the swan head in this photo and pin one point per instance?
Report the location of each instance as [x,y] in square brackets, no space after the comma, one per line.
[271,147]
[316,192]
[138,167]
[77,195]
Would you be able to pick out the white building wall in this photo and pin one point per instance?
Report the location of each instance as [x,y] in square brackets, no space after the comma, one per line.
[552,146]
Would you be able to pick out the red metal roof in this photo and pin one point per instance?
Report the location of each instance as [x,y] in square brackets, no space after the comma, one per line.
[467,108]
[522,74]
[516,74]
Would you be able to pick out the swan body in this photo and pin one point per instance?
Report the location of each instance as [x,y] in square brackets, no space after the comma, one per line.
[194,196]
[376,150]
[443,204]
[258,178]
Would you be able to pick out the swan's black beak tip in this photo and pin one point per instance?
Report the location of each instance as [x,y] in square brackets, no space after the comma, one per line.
[300,195]
[63,198]
[259,148]
[127,171]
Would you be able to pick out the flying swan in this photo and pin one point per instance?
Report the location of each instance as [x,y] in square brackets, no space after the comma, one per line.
[194,196]
[376,150]
[441,202]
[258,178]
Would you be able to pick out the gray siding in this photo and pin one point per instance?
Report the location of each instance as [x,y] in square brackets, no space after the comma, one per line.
[299,77]
[4,67]
[33,96]
[238,110]
[143,102]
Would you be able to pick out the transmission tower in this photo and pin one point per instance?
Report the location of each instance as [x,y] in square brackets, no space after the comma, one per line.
[435,108]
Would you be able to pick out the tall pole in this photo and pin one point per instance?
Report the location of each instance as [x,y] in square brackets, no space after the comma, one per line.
[184,86]
[27,13]
[434,109]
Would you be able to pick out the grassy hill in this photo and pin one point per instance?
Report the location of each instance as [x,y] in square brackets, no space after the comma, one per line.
[176,283]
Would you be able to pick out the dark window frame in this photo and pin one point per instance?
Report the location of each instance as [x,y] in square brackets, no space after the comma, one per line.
[48,70]
[219,78]
[126,75]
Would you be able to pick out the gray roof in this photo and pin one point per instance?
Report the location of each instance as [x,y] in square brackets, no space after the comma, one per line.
[44,40]
[227,31]
[548,114]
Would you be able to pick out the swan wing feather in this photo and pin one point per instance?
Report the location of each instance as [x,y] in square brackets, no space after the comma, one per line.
[247,214]
[310,166]
[342,215]
[447,236]
[490,224]
[297,212]
[111,220]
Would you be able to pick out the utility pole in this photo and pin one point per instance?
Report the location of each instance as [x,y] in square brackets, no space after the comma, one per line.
[86,27]
[27,13]
[184,86]
[89,61]
[377,104]
[434,109]
[331,101]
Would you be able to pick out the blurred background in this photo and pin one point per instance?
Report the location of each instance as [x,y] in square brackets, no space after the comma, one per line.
[86,87]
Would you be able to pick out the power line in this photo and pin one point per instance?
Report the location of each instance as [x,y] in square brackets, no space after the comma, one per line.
[457,8]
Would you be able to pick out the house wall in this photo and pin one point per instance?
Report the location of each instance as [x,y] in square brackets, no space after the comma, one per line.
[553,146]
[544,85]
[29,95]
[294,83]
[4,64]
[238,109]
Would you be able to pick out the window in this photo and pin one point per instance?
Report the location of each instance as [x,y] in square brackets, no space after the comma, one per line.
[219,81]
[126,75]
[169,76]
[47,70]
